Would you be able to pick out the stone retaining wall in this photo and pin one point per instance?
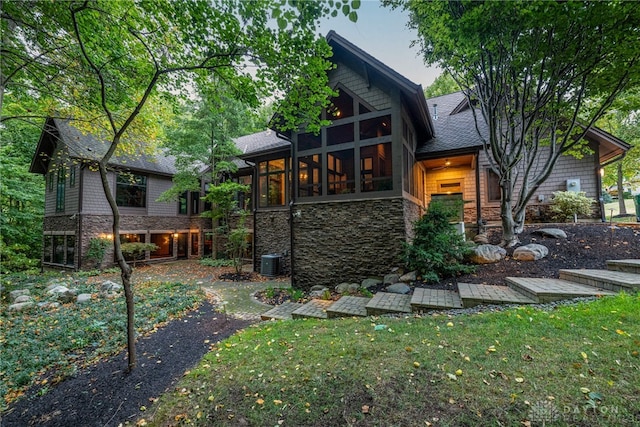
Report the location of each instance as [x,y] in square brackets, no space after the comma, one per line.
[347,241]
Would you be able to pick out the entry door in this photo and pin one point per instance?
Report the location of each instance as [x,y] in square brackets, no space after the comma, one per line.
[183,242]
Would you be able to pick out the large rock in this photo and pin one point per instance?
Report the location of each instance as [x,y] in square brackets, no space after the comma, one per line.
[347,288]
[411,276]
[63,294]
[318,291]
[109,286]
[56,289]
[23,298]
[83,298]
[20,306]
[487,254]
[530,252]
[13,295]
[390,279]
[552,232]
[48,304]
[370,283]
[399,288]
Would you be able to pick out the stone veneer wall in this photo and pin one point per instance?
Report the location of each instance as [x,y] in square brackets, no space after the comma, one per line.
[273,236]
[412,213]
[347,241]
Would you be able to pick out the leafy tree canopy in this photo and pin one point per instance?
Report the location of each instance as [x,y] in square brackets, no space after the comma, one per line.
[530,68]
[443,84]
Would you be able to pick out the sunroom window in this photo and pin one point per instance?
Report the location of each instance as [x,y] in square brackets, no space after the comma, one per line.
[272,183]
[131,191]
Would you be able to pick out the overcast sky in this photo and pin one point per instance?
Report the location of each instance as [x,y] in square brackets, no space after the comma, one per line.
[383,34]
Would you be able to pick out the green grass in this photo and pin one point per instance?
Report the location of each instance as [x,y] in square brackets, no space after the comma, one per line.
[615,207]
[36,340]
[575,365]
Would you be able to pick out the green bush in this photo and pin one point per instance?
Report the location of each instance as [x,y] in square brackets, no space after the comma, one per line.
[606,197]
[566,204]
[134,251]
[14,258]
[437,250]
[97,248]
[220,262]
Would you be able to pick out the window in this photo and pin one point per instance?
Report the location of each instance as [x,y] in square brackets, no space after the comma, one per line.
[182,203]
[493,186]
[375,168]
[133,238]
[71,249]
[376,127]
[50,183]
[72,176]
[341,106]
[449,186]
[309,176]
[272,183]
[131,191]
[340,134]
[164,242]
[340,172]
[48,248]
[195,202]
[60,188]
[309,141]
[59,249]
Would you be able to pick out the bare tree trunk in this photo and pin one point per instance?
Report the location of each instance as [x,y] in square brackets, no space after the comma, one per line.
[125,269]
[510,227]
[621,205]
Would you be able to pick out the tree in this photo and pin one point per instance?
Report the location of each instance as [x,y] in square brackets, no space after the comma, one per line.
[125,54]
[203,135]
[443,84]
[528,68]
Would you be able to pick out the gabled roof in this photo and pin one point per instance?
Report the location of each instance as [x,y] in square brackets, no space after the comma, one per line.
[90,148]
[456,133]
[455,128]
[361,62]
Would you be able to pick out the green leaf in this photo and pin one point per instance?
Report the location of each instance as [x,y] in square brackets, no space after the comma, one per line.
[353,16]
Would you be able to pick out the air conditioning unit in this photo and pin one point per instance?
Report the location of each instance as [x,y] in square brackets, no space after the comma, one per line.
[270,265]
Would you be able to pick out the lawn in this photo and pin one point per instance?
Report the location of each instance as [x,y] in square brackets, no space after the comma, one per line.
[35,341]
[615,208]
[577,364]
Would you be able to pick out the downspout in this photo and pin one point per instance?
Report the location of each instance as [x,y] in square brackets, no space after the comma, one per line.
[79,236]
[254,199]
[292,202]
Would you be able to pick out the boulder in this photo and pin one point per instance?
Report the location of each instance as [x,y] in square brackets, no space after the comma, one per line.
[481,239]
[411,276]
[20,306]
[530,252]
[22,298]
[399,288]
[109,286]
[13,295]
[57,289]
[48,304]
[318,291]
[65,295]
[83,298]
[347,288]
[390,279]
[370,283]
[487,254]
[552,232]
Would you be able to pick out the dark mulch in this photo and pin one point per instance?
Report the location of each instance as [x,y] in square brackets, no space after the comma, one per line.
[588,245]
[104,394]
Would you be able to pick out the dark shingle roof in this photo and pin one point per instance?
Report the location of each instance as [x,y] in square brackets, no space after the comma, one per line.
[261,142]
[455,132]
[91,147]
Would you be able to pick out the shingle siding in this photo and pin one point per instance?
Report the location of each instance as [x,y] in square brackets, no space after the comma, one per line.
[157,185]
[373,95]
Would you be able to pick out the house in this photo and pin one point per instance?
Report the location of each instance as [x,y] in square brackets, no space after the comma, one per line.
[337,206]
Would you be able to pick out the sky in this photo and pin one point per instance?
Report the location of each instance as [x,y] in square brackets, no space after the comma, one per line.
[383,34]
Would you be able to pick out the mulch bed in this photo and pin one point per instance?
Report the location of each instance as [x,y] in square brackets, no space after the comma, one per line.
[104,394]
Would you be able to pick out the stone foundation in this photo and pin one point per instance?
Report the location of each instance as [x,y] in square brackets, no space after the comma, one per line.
[273,236]
[347,241]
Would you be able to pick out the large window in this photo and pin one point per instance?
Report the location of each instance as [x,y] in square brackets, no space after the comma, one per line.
[195,202]
[309,176]
[340,172]
[493,187]
[164,242]
[272,183]
[131,190]
[375,168]
[182,203]
[60,190]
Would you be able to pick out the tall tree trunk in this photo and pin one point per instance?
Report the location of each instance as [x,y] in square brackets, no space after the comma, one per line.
[125,269]
[621,205]
[511,226]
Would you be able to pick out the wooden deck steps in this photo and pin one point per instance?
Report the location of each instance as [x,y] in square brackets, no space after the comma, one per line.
[621,275]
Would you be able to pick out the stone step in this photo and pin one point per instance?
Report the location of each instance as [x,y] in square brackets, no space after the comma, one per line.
[472,294]
[387,302]
[626,265]
[348,306]
[316,308]
[605,279]
[281,312]
[438,299]
[549,289]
